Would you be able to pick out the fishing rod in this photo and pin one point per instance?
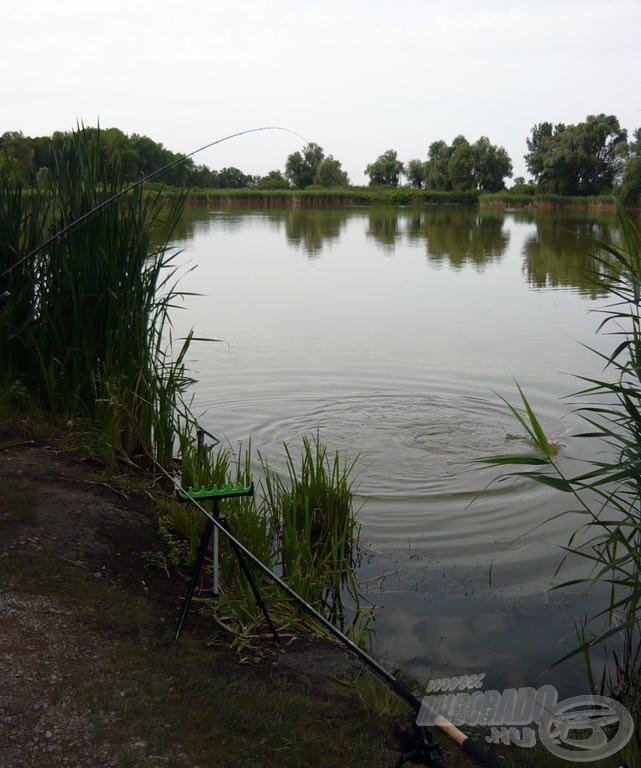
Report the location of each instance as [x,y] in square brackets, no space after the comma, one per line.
[417,743]
[108,201]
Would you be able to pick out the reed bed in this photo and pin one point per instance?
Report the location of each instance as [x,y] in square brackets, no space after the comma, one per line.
[22,228]
[509,199]
[317,530]
[87,327]
[329,198]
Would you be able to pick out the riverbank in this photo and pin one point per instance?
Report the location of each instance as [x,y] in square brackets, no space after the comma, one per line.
[91,674]
[507,200]
[368,196]
[324,198]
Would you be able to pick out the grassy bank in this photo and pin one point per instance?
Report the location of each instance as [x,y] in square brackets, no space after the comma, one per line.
[326,198]
[366,196]
[75,584]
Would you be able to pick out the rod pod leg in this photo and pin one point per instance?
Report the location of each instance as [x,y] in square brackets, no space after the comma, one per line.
[195,574]
[250,579]
[419,747]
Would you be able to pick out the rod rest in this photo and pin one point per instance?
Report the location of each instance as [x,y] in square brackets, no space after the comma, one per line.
[207,494]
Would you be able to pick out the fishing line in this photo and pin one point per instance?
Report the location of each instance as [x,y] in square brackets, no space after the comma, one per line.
[81,219]
[419,737]
[470,747]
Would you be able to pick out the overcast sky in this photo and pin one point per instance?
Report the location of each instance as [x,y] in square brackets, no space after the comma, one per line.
[356,77]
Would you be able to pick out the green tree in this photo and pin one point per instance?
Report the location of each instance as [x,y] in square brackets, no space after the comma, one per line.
[133,156]
[202,176]
[152,156]
[232,178]
[43,153]
[630,190]
[540,147]
[330,174]
[17,155]
[460,167]
[117,150]
[301,168]
[522,187]
[416,173]
[492,165]
[273,180]
[436,169]
[386,170]
[582,159]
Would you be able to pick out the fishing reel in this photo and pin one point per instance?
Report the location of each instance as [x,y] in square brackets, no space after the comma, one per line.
[417,745]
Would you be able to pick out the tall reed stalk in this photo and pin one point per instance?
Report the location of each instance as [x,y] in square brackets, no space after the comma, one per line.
[312,510]
[608,496]
[88,327]
[22,228]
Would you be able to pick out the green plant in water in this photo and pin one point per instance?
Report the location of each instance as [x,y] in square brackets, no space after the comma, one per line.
[608,495]
[303,526]
[317,530]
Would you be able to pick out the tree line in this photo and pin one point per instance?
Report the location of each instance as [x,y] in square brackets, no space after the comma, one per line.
[589,158]
[593,157]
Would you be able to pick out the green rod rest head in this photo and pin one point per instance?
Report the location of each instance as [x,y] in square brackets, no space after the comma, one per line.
[225,492]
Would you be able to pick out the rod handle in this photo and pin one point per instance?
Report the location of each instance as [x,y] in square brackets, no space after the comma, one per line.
[469,746]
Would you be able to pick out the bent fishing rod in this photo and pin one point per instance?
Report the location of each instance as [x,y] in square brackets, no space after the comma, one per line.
[419,745]
[108,201]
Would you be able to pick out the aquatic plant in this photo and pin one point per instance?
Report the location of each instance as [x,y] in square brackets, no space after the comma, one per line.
[303,526]
[312,510]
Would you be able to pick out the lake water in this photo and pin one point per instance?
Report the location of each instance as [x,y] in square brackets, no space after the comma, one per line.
[393,332]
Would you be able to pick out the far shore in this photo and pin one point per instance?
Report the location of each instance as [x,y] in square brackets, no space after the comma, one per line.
[400,196]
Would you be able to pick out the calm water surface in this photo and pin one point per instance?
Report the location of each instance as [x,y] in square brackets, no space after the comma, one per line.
[393,332]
